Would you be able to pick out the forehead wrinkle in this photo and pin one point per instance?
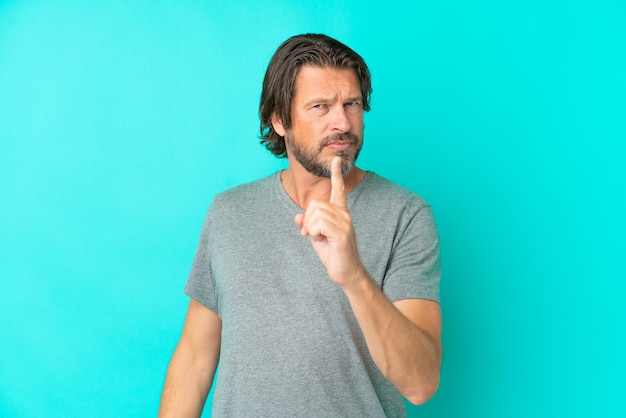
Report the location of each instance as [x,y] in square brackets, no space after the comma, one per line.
[332,97]
[328,79]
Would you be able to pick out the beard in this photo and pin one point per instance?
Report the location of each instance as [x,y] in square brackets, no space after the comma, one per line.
[310,159]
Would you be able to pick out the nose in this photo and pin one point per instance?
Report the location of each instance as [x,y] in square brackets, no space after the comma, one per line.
[340,121]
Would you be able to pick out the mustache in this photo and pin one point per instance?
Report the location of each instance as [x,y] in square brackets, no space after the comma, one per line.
[346,136]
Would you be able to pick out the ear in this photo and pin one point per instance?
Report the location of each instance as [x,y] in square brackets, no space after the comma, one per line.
[277,124]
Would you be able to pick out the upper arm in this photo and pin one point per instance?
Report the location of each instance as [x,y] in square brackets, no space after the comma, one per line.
[201,337]
[425,315]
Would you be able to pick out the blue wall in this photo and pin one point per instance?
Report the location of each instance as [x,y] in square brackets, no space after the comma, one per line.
[119,120]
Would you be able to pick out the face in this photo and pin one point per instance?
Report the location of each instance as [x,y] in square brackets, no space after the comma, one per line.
[327,120]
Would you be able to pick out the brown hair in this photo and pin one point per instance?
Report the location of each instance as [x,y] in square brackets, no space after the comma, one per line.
[280,78]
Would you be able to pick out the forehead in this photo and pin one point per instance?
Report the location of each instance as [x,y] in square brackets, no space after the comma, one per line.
[326,81]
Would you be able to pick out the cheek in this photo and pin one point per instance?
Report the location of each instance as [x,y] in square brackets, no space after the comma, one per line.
[357,123]
[309,131]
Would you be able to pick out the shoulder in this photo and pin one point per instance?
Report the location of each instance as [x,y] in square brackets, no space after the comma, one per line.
[379,191]
[244,195]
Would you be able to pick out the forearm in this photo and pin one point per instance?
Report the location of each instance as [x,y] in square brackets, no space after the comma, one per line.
[186,386]
[405,354]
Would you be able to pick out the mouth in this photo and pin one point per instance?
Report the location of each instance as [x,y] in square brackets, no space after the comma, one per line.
[339,145]
[339,142]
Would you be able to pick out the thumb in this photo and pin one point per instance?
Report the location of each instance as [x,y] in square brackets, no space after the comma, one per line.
[299,220]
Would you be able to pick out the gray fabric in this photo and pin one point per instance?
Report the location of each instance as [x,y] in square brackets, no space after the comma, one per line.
[291,345]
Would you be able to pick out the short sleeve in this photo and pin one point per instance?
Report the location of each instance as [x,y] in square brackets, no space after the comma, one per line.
[414,269]
[201,283]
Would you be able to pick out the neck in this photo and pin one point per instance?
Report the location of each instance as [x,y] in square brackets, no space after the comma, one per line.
[302,186]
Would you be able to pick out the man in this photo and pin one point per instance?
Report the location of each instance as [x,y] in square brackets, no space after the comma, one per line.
[316,288]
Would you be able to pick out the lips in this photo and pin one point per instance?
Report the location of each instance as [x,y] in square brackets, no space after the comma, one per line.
[339,145]
[339,142]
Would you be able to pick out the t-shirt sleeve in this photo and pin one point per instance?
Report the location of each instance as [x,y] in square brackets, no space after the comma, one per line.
[414,269]
[201,283]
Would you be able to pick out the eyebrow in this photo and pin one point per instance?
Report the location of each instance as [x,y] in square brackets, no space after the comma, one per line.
[325,100]
[358,98]
[318,100]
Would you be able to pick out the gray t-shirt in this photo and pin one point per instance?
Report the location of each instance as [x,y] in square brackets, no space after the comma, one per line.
[291,345]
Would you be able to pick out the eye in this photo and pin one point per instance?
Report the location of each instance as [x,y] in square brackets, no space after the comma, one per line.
[319,108]
[352,106]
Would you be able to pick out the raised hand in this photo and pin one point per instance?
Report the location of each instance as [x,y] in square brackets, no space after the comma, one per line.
[329,226]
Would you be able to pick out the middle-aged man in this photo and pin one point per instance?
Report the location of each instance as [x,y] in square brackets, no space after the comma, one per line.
[316,288]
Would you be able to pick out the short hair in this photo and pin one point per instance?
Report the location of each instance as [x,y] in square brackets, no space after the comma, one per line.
[280,78]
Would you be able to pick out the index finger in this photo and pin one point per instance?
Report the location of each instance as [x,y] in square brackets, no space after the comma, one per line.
[337,186]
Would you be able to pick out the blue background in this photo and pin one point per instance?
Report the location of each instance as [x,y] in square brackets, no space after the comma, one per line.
[120,120]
